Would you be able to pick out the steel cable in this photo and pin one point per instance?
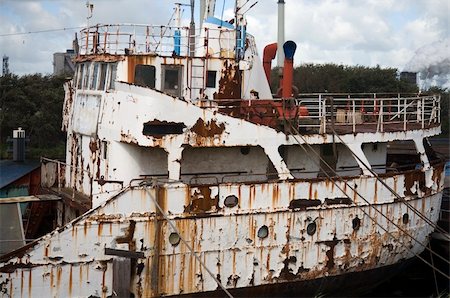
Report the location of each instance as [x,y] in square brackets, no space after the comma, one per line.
[417,212]
[186,243]
[369,205]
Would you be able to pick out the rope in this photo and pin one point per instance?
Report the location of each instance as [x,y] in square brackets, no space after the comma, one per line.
[186,243]
[369,205]
[417,212]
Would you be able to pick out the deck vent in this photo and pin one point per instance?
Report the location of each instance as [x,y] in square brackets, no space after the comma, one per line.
[263,232]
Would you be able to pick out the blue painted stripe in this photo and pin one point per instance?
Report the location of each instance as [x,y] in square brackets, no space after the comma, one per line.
[218,22]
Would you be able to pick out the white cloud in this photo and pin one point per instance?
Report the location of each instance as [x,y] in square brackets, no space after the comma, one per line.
[363,32]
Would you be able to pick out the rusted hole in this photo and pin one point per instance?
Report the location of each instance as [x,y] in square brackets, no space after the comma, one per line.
[338,201]
[311,228]
[405,218]
[174,239]
[231,201]
[159,128]
[356,223]
[302,204]
[245,150]
[263,232]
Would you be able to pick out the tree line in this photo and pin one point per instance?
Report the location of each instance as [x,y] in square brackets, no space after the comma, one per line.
[34,102]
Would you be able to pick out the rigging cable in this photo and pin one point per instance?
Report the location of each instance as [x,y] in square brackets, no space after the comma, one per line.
[369,205]
[40,31]
[144,183]
[400,198]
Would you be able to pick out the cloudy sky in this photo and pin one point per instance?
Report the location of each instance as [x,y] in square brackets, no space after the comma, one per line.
[389,33]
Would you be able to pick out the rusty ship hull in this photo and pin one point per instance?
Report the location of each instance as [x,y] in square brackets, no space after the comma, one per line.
[185,176]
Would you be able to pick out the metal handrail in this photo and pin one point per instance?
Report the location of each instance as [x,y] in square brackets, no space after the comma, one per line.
[122,39]
[318,111]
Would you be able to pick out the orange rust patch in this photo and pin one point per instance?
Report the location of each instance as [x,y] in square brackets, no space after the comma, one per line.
[128,237]
[230,82]
[208,129]
[201,201]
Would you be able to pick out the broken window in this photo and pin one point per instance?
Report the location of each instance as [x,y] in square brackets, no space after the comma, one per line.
[211,79]
[101,83]
[93,83]
[85,72]
[112,75]
[171,79]
[144,75]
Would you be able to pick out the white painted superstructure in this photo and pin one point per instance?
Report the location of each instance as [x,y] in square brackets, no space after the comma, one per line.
[157,139]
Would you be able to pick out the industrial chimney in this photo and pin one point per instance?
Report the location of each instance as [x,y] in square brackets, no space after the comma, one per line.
[280,37]
[19,144]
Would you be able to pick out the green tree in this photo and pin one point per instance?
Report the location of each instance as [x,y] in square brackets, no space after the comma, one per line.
[33,102]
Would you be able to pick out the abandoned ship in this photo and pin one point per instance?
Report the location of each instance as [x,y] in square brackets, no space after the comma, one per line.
[195,179]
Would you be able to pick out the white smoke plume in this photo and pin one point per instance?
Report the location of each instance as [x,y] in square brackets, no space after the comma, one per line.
[432,62]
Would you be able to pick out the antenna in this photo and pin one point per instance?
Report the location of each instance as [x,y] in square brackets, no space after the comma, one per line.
[90,8]
[5,65]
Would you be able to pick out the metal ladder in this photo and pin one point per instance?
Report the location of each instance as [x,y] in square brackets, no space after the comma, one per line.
[197,77]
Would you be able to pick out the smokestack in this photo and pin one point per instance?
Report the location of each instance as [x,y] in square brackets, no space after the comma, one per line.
[289,48]
[280,37]
[19,144]
[270,51]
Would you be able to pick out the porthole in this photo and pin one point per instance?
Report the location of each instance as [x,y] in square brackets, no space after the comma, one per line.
[405,218]
[263,232]
[174,239]
[311,228]
[231,201]
[356,223]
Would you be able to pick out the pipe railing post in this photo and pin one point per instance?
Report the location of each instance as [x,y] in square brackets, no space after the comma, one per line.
[423,112]
[354,116]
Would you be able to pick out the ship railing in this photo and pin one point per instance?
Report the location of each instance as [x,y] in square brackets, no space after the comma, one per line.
[382,114]
[125,39]
[323,113]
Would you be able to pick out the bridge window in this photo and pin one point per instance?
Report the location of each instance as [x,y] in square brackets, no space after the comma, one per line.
[112,75]
[211,79]
[144,75]
[171,79]
[101,82]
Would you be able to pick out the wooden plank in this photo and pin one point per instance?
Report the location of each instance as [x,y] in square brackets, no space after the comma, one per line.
[25,199]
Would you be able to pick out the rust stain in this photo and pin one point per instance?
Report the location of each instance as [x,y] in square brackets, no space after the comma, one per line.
[208,129]
[127,138]
[21,282]
[30,282]
[201,201]
[229,82]
[286,273]
[58,276]
[99,229]
[52,277]
[70,281]
[99,57]
[128,237]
